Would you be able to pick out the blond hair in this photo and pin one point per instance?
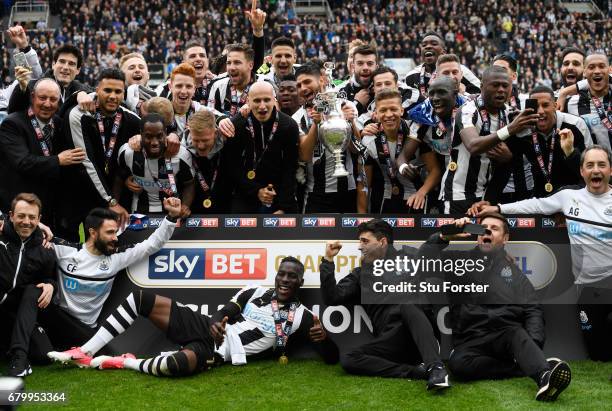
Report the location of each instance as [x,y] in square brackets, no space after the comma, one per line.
[129,56]
[202,120]
[163,107]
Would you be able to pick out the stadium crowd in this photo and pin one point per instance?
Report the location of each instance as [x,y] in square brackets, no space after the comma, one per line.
[533,32]
[502,113]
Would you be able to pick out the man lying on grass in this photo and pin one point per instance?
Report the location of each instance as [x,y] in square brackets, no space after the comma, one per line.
[257,320]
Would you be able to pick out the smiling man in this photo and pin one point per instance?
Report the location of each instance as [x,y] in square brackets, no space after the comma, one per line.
[30,156]
[228,94]
[100,134]
[481,126]
[431,130]
[553,147]
[594,105]
[159,174]
[256,320]
[67,63]
[498,333]
[27,283]
[431,47]
[588,212]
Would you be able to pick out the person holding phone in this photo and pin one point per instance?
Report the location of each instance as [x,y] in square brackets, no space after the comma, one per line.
[498,333]
[552,147]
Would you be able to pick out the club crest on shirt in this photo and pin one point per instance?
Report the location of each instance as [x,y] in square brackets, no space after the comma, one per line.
[608,211]
[506,274]
[103,266]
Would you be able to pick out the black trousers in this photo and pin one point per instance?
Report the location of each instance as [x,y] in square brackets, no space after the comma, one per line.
[459,206]
[504,354]
[595,316]
[397,351]
[344,202]
[64,330]
[18,316]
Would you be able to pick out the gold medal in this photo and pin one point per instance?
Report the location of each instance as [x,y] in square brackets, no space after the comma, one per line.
[251,174]
[452,166]
[395,190]
[207,203]
[548,187]
[283,360]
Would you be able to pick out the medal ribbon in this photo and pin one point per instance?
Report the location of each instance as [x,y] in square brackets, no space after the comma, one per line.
[422,88]
[39,134]
[265,146]
[235,101]
[398,149]
[113,138]
[603,116]
[200,175]
[486,121]
[282,334]
[539,155]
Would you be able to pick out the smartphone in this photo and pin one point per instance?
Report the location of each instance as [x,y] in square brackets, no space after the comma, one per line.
[532,103]
[21,60]
[477,229]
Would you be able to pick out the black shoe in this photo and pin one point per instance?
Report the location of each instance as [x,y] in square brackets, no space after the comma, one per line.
[438,377]
[19,365]
[553,382]
[419,372]
[552,362]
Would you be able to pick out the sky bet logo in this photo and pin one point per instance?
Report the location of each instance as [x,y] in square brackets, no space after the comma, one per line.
[203,222]
[435,222]
[549,222]
[279,222]
[318,221]
[400,222]
[354,221]
[521,222]
[240,222]
[209,264]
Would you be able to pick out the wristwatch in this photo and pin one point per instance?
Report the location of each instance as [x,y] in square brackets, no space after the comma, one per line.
[112,202]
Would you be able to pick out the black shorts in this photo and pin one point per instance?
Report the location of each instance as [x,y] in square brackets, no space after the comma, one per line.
[186,326]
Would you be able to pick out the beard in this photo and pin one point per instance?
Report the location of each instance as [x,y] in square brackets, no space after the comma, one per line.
[106,248]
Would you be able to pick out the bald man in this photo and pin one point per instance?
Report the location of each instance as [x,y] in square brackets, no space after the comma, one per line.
[262,158]
[30,158]
[594,104]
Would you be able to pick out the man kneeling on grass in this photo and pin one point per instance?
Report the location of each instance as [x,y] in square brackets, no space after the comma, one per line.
[256,320]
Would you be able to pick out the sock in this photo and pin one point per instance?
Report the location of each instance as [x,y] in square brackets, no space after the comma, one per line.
[154,366]
[120,320]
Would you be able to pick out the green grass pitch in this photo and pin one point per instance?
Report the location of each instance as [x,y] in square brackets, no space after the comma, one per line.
[305,385]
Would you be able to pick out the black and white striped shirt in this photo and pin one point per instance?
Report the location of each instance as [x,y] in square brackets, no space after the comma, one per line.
[321,168]
[582,105]
[254,326]
[469,181]
[471,82]
[150,174]
[376,154]
[410,97]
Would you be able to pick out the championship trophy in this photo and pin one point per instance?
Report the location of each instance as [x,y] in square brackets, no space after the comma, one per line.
[334,131]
